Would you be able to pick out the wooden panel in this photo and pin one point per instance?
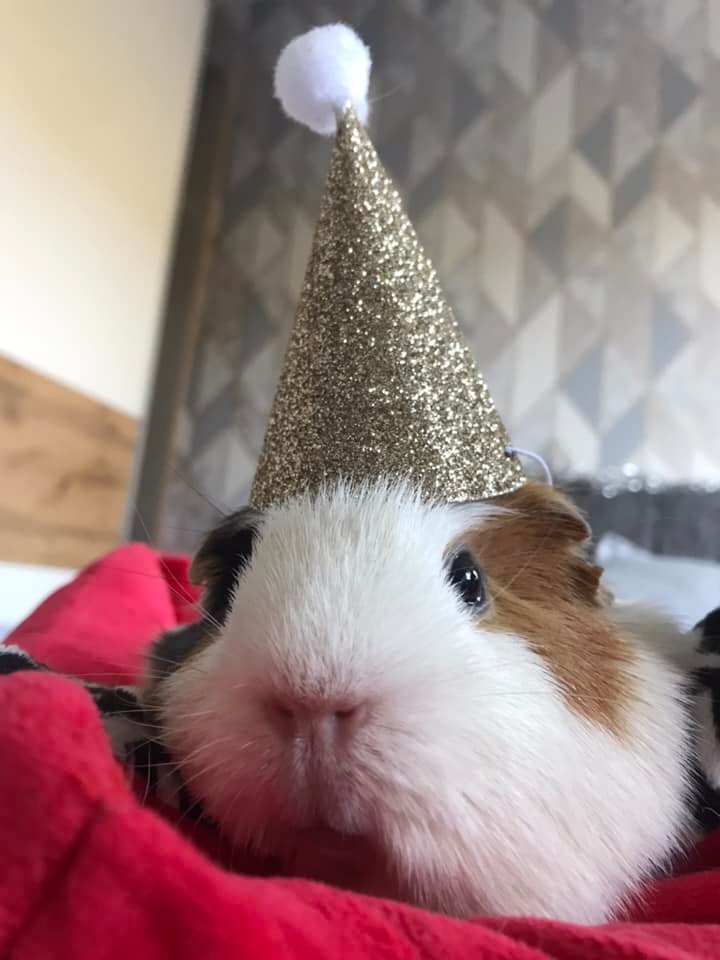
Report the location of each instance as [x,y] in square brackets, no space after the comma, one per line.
[65,465]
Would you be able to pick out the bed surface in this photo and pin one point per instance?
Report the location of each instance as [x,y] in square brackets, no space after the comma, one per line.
[670,521]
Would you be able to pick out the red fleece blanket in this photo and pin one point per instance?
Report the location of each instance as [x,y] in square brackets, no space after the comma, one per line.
[87,872]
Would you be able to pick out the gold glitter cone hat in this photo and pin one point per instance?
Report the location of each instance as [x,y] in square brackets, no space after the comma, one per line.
[377,381]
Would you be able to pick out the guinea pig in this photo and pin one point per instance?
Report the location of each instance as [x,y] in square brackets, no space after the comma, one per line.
[432,702]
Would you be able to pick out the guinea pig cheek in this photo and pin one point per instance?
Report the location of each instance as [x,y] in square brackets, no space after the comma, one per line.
[215,735]
[538,595]
[280,791]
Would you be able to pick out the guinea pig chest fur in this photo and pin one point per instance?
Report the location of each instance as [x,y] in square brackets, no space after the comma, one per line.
[432,702]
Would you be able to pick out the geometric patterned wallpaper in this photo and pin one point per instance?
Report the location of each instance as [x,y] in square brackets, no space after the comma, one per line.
[561,163]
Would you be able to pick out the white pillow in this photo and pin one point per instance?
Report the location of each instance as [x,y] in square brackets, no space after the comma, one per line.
[683,588]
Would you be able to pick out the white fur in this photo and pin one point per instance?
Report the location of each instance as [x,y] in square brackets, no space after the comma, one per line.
[471,777]
[319,73]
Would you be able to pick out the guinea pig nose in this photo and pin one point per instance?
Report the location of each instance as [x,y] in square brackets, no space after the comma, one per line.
[348,717]
[339,721]
[327,716]
[345,713]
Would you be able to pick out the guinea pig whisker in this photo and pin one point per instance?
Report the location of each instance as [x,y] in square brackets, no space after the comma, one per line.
[176,591]
[187,813]
[201,531]
[157,764]
[208,768]
[231,806]
[120,676]
[176,769]
[186,723]
[164,763]
[149,724]
[131,711]
[195,714]
[160,730]
[150,739]
[187,664]
[205,746]
[205,497]
[541,693]
[149,576]
[523,567]
[240,685]
[173,764]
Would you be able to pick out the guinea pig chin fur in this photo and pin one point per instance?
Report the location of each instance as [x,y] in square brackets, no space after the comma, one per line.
[526,759]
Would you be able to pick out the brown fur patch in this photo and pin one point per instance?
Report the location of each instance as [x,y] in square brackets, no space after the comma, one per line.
[544,589]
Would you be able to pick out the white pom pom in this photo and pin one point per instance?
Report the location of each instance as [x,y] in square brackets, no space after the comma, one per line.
[319,73]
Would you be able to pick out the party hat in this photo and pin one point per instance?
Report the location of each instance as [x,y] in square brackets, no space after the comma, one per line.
[377,382]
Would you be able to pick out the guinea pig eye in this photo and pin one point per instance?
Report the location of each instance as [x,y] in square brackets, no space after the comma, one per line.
[466,577]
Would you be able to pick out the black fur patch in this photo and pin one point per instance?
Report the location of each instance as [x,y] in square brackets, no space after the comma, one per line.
[173,648]
[710,628]
[710,679]
[222,558]
[706,802]
[115,701]
[217,565]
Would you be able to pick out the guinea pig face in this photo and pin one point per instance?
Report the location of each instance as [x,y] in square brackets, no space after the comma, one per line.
[426,702]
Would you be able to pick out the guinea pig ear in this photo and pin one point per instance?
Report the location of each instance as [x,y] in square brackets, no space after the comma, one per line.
[554,513]
[540,544]
[223,555]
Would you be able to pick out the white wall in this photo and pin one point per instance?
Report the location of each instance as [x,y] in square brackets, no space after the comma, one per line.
[95,107]
[24,587]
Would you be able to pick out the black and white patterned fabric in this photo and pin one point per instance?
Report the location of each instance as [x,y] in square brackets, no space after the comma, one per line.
[135,741]
[132,735]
